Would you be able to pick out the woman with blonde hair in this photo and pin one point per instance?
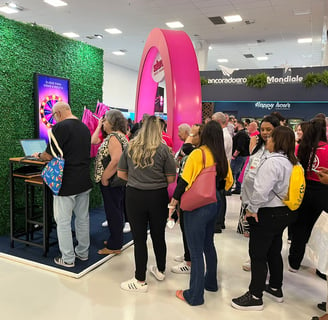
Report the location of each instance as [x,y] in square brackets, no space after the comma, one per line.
[148,166]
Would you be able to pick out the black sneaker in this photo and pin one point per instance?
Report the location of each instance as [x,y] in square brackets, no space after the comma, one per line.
[61,262]
[322,306]
[275,294]
[235,192]
[320,275]
[217,229]
[247,302]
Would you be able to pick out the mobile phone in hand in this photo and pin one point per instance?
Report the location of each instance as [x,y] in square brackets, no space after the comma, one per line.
[172,221]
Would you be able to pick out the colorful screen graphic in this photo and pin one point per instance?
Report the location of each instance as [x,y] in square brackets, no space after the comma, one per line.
[48,90]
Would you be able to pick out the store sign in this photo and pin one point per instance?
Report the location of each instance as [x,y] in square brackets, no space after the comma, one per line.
[273,105]
[157,70]
[270,79]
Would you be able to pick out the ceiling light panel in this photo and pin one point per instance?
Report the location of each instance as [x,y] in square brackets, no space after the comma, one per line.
[262,58]
[222,60]
[174,24]
[304,40]
[8,10]
[113,31]
[56,3]
[299,12]
[231,19]
[118,53]
[13,5]
[71,35]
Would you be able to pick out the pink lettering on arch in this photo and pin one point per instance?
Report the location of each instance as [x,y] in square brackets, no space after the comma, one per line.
[182,80]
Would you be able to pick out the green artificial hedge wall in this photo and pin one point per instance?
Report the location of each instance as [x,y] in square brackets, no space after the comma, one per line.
[24,50]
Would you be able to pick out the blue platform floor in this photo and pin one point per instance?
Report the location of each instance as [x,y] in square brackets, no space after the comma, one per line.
[33,256]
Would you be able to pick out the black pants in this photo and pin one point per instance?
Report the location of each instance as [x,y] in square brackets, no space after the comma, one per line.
[314,202]
[221,208]
[184,239]
[147,207]
[265,246]
[114,209]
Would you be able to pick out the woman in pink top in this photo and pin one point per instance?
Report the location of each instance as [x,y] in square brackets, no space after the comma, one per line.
[312,153]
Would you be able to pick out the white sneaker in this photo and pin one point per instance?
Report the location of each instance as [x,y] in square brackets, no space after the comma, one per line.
[179,258]
[105,224]
[134,285]
[182,268]
[160,276]
[246,265]
[127,227]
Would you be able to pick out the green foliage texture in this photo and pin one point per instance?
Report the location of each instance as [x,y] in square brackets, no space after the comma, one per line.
[312,79]
[257,80]
[25,50]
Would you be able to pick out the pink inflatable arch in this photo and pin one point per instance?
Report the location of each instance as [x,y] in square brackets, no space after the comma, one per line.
[182,80]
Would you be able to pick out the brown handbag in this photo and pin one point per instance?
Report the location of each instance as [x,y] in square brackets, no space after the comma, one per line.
[203,190]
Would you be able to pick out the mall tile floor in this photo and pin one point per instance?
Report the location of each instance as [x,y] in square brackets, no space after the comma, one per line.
[30,293]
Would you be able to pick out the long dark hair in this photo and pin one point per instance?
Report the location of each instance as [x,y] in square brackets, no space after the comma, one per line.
[304,125]
[315,132]
[212,137]
[284,140]
[275,123]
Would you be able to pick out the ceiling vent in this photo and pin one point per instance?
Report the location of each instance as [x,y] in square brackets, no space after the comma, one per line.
[95,36]
[250,21]
[217,20]
[260,41]
[248,55]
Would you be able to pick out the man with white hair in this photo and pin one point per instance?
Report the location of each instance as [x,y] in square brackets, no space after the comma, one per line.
[74,139]
[230,124]
[183,133]
[221,119]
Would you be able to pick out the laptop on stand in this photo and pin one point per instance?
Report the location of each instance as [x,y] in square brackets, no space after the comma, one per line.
[31,146]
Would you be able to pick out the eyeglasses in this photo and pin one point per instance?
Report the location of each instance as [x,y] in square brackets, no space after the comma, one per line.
[53,114]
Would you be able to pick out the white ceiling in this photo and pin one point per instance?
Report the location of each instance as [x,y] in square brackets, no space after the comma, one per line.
[275,22]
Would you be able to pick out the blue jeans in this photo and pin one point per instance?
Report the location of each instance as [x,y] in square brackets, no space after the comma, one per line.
[199,228]
[63,210]
[236,168]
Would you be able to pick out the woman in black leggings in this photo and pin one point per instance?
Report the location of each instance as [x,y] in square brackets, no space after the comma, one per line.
[148,166]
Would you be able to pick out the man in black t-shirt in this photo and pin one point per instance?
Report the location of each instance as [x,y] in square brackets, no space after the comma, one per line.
[74,139]
[240,151]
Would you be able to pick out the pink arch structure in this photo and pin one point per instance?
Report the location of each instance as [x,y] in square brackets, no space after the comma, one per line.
[182,80]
